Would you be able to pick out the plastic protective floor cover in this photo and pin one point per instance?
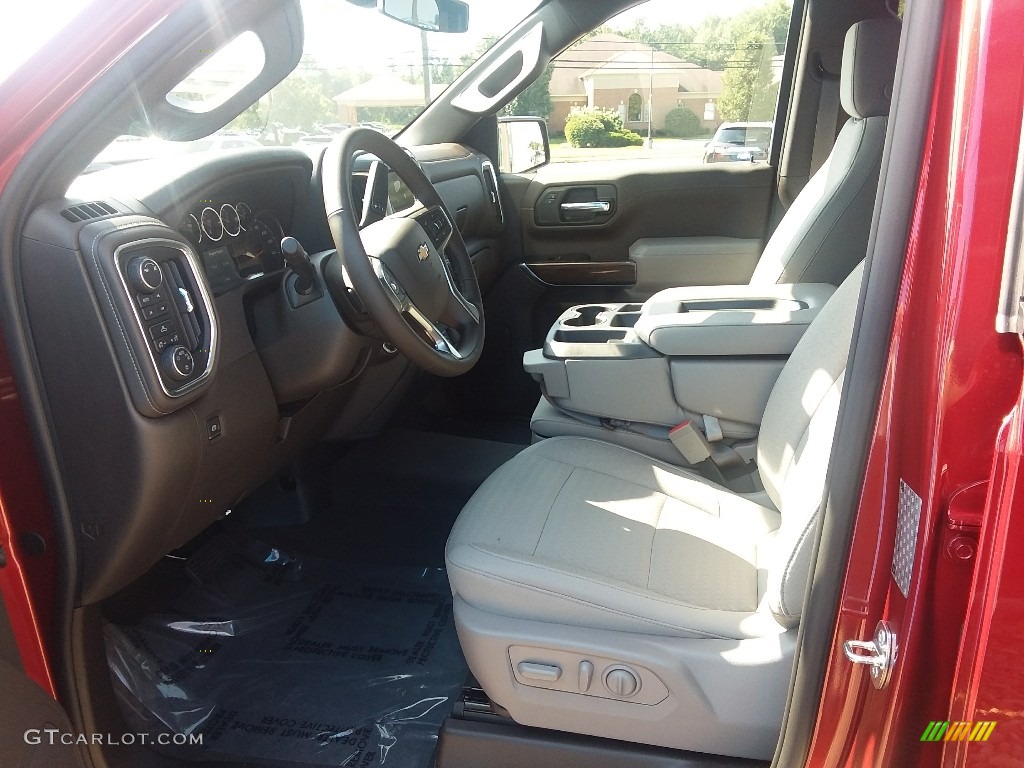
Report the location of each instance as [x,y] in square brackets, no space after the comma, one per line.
[298,661]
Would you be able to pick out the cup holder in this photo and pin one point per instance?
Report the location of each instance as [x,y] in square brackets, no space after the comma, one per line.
[586,316]
[625,319]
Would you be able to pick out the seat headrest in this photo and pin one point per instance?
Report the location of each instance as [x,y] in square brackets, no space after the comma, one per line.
[869,67]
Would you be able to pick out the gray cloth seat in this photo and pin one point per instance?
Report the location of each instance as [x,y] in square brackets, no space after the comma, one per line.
[824,233]
[581,551]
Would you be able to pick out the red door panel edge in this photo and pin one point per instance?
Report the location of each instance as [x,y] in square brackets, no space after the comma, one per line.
[989,684]
[30,101]
[950,383]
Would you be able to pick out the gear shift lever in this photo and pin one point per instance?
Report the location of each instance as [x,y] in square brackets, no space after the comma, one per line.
[298,261]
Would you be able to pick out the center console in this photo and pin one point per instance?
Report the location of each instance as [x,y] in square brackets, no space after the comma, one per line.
[629,372]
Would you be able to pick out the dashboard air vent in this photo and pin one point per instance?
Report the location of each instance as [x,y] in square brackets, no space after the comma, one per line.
[186,307]
[491,187]
[87,211]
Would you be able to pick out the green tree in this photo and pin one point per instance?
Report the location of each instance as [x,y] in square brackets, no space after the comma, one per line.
[748,90]
[741,46]
[535,101]
[444,71]
[714,42]
[302,102]
[253,119]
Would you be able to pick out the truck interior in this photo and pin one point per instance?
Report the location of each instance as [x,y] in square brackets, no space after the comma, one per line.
[425,461]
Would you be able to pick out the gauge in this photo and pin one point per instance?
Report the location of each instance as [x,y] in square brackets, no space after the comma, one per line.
[229,218]
[266,233]
[211,224]
[190,228]
[244,215]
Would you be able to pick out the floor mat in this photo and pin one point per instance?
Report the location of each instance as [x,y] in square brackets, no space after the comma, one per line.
[294,661]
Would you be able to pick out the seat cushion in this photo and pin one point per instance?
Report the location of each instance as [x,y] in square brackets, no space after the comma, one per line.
[580,532]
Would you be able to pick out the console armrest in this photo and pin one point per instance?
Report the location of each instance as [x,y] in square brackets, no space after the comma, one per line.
[730,319]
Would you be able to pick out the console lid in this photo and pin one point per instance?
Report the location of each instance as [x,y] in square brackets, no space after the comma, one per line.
[737,320]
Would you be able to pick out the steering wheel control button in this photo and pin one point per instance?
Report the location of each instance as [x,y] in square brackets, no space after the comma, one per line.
[178,363]
[621,682]
[537,672]
[586,676]
[396,288]
[144,274]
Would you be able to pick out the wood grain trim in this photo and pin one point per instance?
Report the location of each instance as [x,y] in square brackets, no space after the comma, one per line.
[622,273]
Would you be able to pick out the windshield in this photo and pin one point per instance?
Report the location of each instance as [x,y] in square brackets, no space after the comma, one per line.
[358,67]
[28,26]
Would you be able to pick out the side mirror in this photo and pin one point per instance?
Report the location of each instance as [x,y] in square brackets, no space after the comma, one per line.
[523,143]
[429,15]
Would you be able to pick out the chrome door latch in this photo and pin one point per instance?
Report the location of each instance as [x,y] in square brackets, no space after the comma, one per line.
[879,653]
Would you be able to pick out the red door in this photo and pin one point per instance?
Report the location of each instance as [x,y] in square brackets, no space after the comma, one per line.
[935,534]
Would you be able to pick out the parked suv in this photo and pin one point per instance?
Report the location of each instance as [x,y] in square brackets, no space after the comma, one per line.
[739,142]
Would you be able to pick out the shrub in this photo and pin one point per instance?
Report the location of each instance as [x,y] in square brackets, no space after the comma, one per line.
[622,139]
[584,129]
[599,128]
[683,123]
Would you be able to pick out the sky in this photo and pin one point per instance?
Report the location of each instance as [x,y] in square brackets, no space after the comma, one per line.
[340,35]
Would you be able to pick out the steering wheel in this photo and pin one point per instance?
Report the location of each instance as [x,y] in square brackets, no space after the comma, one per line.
[411,270]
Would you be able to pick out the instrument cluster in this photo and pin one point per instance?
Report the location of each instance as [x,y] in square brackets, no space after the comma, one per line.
[236,243]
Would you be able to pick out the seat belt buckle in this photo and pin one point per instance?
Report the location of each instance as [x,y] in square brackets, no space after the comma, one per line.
[690,442]
[713,429]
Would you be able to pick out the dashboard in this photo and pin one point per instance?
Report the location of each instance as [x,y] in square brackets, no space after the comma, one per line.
[157,293]
[236,244]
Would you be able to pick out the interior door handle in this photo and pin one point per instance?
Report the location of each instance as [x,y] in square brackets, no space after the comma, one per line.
[597,206]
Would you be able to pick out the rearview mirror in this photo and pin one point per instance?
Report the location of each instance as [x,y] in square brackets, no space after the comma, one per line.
[430,15]
[523,143]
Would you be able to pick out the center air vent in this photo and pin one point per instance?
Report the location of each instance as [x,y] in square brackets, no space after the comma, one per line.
[87,211]
[172,311]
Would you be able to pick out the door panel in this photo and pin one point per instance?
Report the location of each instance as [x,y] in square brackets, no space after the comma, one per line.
[667,225]
[664,262]
[646,200]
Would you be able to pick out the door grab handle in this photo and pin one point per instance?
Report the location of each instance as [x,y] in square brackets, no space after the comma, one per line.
[597,206]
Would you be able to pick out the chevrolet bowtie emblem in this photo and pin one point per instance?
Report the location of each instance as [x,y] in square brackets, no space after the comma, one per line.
[423,253]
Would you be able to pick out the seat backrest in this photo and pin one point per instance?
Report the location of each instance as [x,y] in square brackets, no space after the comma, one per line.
[824,233]
[795,442]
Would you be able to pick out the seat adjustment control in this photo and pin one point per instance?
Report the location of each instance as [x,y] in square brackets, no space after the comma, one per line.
[177,362]
[544,673]
[621,681]
[586,675]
